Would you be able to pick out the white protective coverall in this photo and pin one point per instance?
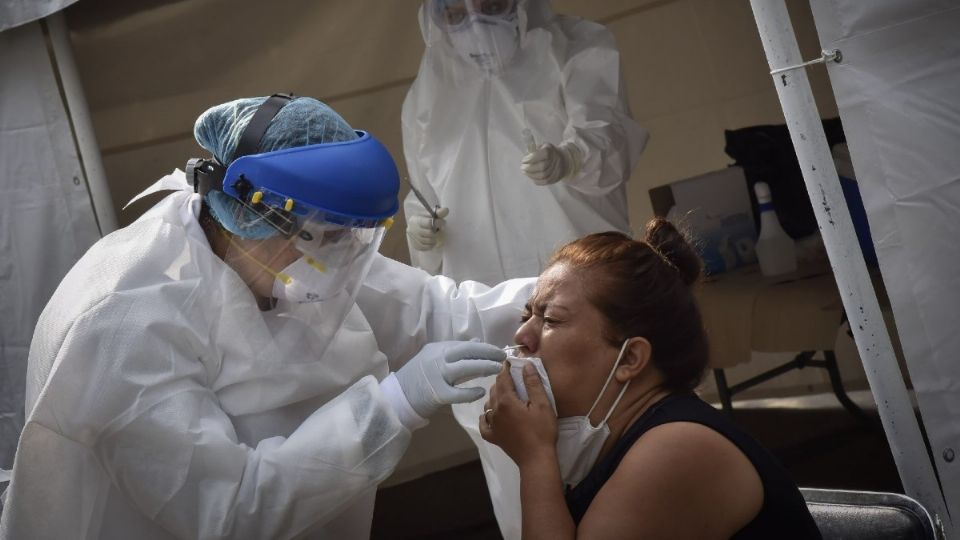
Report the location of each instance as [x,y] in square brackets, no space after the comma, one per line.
[160,405]
[463,143]
[405,314]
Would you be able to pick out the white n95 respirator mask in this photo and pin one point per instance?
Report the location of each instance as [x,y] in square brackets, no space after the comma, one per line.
[488,42]
[308,280]
[330,254]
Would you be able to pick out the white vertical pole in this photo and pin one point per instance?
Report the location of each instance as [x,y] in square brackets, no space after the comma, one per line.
[856,290]
[79,114]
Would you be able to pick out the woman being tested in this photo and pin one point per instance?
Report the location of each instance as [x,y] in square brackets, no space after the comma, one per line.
[612,442]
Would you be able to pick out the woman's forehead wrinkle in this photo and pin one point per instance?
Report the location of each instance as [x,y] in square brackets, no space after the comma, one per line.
[545,291]
[557,283]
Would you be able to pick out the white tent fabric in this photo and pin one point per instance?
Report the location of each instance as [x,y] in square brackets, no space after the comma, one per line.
[16,12]
[46,217]
[897,90]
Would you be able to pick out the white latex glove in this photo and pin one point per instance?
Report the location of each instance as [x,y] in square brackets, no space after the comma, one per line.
[424,232]
[428,379]
[549,163]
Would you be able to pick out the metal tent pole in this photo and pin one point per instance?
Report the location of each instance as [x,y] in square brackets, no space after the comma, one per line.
[79,114]
[859,299]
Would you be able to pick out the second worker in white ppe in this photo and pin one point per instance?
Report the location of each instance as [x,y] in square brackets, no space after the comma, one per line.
[518,124]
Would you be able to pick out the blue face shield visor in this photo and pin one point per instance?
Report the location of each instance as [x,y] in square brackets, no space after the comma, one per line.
[352,184]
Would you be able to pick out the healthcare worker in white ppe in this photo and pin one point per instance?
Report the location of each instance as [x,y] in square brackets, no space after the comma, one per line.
[205,371]
[517,134]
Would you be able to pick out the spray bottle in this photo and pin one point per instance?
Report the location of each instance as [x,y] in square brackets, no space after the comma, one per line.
[776,251]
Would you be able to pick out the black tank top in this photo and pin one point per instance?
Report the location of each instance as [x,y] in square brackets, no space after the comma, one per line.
[784,514]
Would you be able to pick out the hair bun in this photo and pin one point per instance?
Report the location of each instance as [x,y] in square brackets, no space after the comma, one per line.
[675,247]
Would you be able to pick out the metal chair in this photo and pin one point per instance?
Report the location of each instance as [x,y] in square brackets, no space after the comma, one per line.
[856,515]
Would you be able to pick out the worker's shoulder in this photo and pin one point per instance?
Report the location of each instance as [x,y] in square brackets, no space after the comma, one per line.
[127,257]
[142,262]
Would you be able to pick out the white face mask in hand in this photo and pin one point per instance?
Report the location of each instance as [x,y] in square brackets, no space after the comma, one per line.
[516,373]
[578,441]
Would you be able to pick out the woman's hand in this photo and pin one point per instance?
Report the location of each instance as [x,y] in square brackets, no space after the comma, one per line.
[526,431]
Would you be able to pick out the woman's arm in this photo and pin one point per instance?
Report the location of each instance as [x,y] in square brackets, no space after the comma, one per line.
[543,507]
[527,432]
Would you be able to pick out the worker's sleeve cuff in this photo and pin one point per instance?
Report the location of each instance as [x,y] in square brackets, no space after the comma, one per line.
[573,155]
[395,396]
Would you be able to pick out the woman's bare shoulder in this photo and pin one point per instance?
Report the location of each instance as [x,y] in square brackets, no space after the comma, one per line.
[678,480]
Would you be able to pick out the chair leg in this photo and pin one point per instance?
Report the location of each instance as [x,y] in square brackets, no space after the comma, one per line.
[830,364]
[723,391]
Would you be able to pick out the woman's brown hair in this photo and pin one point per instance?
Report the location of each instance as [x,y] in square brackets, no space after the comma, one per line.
[644,289]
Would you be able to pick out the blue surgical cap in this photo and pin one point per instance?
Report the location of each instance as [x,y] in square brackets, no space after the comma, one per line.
[302,122]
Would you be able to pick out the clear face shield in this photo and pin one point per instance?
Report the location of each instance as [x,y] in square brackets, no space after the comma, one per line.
[314,261]
[305,283]
[484,33]
[334,261]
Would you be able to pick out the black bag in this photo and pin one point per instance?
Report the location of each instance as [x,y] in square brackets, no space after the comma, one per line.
[766,155]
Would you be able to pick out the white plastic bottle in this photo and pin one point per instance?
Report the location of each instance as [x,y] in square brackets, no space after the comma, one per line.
[775,249]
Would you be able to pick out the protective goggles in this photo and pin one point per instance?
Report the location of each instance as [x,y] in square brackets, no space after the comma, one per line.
[452,15]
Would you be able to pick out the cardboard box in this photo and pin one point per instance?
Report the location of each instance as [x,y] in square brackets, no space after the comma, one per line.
[715,209]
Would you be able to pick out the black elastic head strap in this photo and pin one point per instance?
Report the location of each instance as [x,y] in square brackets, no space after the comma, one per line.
[207,174]
[255,130]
